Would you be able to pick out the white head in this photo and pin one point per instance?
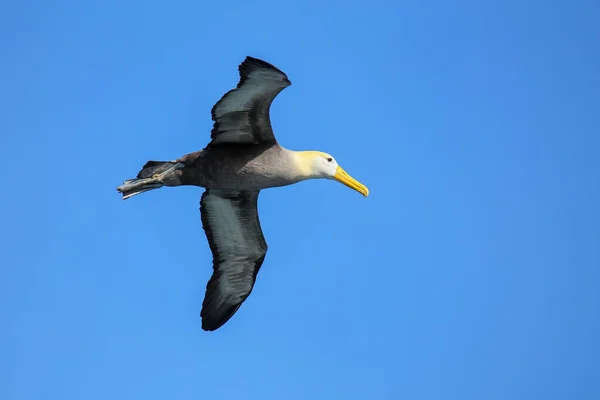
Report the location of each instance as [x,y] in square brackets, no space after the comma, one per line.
[319,165]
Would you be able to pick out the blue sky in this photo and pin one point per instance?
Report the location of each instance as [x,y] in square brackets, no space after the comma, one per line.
[471,272]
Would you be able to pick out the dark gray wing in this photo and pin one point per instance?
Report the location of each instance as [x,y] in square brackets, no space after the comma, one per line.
[230,221]
[241,116]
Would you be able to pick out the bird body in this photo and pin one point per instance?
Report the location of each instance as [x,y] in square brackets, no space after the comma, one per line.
[239,167]
[242,158]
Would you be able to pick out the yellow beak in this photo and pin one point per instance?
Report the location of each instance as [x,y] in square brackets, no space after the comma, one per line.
[343,177]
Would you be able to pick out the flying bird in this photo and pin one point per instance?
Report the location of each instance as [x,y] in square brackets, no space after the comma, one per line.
[242,158]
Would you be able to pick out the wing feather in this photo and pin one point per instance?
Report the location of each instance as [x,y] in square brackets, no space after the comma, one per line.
[230,221]
[241,116]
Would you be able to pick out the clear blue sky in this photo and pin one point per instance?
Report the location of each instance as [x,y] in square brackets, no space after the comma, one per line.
[471,272]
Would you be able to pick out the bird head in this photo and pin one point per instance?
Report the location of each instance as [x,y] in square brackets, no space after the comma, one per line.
[316,164]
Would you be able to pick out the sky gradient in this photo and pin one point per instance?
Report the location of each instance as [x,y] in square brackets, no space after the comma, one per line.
[472,270]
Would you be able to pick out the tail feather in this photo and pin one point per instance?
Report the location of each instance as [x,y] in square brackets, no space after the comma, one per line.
[132,187]
[152,176]
[153,168]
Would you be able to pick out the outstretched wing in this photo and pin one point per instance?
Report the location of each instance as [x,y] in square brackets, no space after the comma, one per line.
[230,221]
[241,116]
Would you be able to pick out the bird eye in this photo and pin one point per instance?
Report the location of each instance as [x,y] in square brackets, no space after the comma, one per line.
[330,159]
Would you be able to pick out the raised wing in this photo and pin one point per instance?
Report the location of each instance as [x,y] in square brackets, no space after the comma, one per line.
[230,221]
[241,116]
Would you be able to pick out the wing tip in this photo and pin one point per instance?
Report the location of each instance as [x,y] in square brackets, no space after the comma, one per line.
[211,320]
[251,64]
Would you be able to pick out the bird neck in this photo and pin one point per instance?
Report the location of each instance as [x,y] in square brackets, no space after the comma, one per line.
[303,162]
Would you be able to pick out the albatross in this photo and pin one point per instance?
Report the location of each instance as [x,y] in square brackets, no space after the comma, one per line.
[242,158]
